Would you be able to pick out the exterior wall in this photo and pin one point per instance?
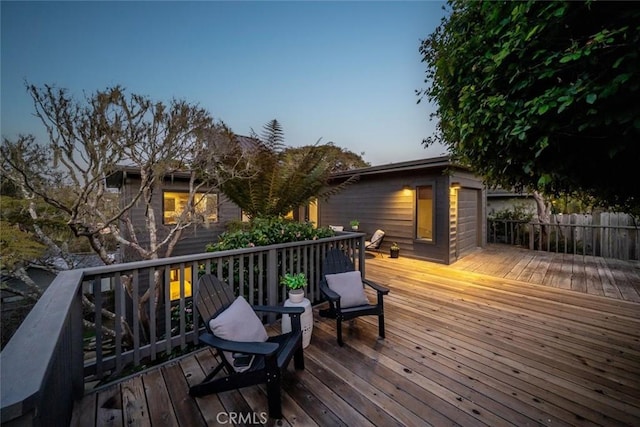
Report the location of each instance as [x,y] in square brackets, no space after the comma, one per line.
[380,201]
[469,228]
[194,239]
[388,201]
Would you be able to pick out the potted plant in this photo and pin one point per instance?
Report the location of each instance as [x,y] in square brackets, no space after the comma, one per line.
[394,250]
[296,284]
[354,224]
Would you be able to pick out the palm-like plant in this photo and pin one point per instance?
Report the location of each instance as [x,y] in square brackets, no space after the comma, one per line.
[280,179]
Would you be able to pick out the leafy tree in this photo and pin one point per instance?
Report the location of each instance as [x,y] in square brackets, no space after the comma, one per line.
[343,159]
[88,139]
[282,179]
[542,95]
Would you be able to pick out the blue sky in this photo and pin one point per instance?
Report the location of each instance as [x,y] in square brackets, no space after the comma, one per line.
[345,72]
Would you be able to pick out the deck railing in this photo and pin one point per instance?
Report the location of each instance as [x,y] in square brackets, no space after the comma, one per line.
[608,241]
[62,347]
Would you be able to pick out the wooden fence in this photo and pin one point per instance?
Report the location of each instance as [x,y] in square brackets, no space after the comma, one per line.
[609,235]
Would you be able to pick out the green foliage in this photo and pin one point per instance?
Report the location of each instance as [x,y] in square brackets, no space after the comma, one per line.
[540,95]
[294,281]
[342,159]
[517,213]
[354,223]
[261,232]
[17,247]
[570,205]
[176,313]
[268,231]
[20,244]
[278,179]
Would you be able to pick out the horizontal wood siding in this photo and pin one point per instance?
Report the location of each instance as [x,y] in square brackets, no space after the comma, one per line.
[468,221]
[194,238]
[468,227]
[453,227]
[381,202]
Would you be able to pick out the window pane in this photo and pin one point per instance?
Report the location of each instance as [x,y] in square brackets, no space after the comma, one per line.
[174,284]
[172,206]
[175,202]
[424,212]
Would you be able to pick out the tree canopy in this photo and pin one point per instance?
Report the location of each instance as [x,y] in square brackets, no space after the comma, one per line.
[540,95]
[341,158]
[90,138]
[62,181]
[282,179]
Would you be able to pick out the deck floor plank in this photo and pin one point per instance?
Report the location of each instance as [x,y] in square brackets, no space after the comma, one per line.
[406,393]
[192,368]
[185,408]
[109,410]
[501,338]
[134,402]
[158,400]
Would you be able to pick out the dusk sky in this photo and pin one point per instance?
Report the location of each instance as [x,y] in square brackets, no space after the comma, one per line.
[345,72]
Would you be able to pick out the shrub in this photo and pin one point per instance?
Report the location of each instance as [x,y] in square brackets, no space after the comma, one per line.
[268,231]
[517,213]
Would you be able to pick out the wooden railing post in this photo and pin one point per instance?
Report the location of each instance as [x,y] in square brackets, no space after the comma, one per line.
[361,256]
[532,235]
[272,281]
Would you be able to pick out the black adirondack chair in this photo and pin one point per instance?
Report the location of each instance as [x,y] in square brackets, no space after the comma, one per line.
[335,262]
[263,362]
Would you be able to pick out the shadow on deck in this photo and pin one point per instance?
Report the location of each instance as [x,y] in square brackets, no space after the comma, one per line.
[462,347]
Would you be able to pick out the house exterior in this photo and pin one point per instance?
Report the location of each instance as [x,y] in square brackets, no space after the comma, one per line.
[217,211]
[434,209]
[499,200]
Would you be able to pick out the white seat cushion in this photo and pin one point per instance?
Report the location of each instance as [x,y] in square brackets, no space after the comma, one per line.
[238,322]
[376,239]
[349,286]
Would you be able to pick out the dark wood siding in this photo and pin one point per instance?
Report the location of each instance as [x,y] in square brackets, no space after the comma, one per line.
[380,201]
[386,199]
[467,229]
[468,224]
[194,239]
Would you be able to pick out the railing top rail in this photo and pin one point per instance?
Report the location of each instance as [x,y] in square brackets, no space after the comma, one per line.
[105,269]
[615,227]
[561,224]
[26,358]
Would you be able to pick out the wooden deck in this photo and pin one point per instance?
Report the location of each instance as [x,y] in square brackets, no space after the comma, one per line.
[588,274]
[462,348]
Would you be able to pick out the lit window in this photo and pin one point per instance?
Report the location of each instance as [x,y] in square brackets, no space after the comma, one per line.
[174,283]
[424,212]
[174,204]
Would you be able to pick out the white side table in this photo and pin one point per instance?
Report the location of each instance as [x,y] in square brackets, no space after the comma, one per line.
[306,320]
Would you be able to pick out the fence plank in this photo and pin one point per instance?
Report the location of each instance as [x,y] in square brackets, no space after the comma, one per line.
[609,235]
